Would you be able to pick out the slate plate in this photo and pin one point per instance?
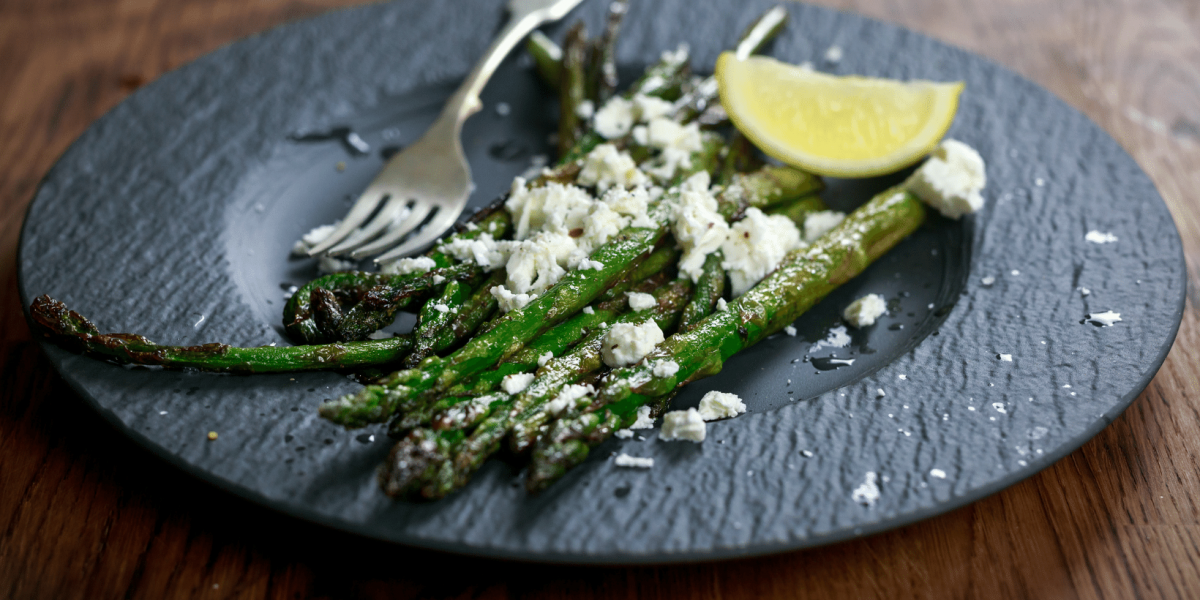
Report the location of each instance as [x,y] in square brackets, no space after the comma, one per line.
[173,214]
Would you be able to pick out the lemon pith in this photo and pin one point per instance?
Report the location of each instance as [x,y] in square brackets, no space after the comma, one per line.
[843,126]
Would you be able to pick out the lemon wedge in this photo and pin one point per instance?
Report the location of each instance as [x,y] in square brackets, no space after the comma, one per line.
[843,126]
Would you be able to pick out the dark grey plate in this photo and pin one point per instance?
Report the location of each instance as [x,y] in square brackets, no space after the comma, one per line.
[172,216]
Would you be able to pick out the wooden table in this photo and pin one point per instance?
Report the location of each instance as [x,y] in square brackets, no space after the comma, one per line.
[84,513]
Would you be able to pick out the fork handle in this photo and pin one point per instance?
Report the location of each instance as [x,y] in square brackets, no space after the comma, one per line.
[525,18]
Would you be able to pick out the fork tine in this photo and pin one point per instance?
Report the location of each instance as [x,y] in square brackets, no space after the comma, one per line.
[420,210]
[432,231]
[363,207]
[381,222]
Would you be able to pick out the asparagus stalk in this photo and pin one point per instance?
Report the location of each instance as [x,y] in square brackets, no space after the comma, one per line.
[70,329]
[547,57]
[436,315]
[602,76]
[435,472]
[572,86]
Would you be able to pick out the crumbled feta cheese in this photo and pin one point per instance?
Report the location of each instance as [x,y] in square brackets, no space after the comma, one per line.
[790,330]
[720,405]
[379,335]
[567,396]
[591,264]
[641,135]
[834,54]
[682,425]
[639,301]
[988,281]
[699,230]
[665,368]
[676,143]
[1100,237]
[516,383]
[868,492]
[606,167]
[329,264]
[585,109]
[643,419]
[879,393]
[602,224]
[615,118]
[538,263]
[755,246]
[484,250]
[819,223]
[938,473]
[315,236]
[1104,319]
[950,180]
[587,310]
[442,308]
[864,311]
[649,108]
[627,343]
[1005,357]
[405,266]
[438,280]
[545,358]
[624,433]
[509,301]
[722,305]
[553,207]
[637,462]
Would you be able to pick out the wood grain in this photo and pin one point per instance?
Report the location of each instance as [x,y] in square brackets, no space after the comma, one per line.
[86,514]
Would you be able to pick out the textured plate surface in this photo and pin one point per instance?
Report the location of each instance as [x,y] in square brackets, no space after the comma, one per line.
[172,216]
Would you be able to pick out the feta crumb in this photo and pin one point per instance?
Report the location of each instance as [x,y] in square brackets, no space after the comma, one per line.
[722,305]
[682,425]
[545,358]
[950,180]
[649,108]
[539,262]
[567,396]
[484,250]
[1085,292]
[509,301]
[625,460]
[699,229]
[834,54]
[676,143]
[720,405]
[585,109]
[606,167]
[940,474]
[821,222]
[442,308]
[791,331]
[864,311]
[438,280]
[624,434]
[665,368]
[615,118]
[1005,357]
[553,207]
[879,393]
[379,335]
[988,281]
[1104,319]
[627,343]
[315,236]
[756,245]
[643,421]
[587,310]
[1100,237]
[639,301]
[516,383]
[868,492]
[405,266]
[591,264]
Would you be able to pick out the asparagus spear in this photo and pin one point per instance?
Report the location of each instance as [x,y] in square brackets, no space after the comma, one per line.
[804,278]
[435,316]
[571,88]
[437,471]
[72,330]
[547,56]
[602,75]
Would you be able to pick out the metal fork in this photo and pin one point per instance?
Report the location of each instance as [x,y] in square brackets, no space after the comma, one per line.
[432,173]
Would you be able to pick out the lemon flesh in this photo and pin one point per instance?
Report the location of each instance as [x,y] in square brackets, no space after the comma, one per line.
[842,126]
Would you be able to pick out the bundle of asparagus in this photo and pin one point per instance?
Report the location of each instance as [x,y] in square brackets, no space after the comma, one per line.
[522,310]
